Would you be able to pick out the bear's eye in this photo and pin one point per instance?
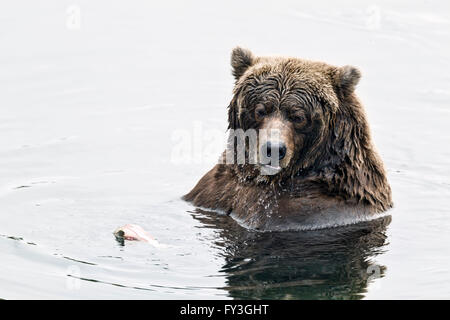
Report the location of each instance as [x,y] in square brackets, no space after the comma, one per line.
[260,111]
[298,117]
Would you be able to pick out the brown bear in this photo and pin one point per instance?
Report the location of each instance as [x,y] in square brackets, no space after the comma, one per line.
[327,171]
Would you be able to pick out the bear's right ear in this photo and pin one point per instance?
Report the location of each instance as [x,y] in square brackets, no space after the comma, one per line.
[346,79]
[241,60]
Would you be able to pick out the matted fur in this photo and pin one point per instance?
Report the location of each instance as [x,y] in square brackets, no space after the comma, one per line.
[334,170]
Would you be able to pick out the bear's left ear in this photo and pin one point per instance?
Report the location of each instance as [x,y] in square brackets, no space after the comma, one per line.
[346,79]
[241,60]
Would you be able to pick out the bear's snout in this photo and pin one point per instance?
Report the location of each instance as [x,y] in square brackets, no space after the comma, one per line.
[276,144]
[275,148]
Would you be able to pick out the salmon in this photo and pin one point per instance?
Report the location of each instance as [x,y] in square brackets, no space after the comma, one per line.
[133,232]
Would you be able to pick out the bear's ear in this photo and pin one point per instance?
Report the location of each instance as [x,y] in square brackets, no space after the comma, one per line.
[241,60]
[346,79]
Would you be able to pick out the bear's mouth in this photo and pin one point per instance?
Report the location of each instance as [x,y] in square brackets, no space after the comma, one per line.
[268,170]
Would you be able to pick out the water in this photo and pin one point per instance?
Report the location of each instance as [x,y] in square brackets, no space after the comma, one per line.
[91,110]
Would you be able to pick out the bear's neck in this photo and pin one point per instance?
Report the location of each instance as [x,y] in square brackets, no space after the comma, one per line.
[358,181]
[350,165]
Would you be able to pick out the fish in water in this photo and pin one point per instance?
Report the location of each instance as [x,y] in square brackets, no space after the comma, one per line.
[133,232]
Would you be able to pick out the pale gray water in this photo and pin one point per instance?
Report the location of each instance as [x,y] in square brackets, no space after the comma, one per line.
[87,117]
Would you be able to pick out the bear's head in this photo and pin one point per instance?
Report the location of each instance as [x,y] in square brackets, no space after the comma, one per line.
[309,122]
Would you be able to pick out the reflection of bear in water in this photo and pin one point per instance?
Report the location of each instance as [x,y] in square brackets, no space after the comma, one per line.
[333,263]
[327,166]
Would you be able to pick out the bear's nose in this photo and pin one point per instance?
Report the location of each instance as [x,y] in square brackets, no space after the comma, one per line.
[271,148]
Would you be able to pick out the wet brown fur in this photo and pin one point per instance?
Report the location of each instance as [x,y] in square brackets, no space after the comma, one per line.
[334,169]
